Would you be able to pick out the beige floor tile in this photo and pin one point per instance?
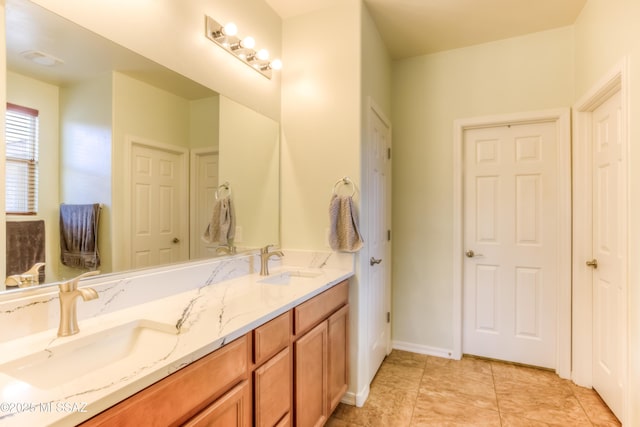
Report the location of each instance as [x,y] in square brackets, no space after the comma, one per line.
[595,408]
[440,411]
[334,422]
[406,358]
[417,390]
[551,403]
[398,376]
[471,366]
[524,374]
[463,388]
[385,407]
[515,421]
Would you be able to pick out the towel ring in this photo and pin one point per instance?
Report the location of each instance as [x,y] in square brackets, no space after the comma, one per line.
[224,186]
[345,181]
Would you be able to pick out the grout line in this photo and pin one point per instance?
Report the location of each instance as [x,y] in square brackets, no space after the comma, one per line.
[495,392]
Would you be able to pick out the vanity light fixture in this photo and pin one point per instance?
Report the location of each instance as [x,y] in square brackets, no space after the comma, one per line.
[243,48]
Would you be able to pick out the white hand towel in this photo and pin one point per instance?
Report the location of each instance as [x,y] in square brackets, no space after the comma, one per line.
[344,234]
[222,227]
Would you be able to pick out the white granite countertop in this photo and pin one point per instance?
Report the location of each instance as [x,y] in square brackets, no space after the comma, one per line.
[168,333]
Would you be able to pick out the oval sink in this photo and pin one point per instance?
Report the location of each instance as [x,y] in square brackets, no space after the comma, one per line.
[65,361]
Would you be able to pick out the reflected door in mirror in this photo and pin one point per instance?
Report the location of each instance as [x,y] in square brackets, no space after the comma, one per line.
[158,209]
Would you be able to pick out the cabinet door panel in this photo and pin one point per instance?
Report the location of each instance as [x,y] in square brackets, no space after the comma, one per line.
[338,356]
[272,389]
[231,410]
[311,360]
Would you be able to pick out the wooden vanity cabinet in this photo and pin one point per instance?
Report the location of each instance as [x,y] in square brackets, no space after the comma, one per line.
[292,370]
[216,383]
[320,355]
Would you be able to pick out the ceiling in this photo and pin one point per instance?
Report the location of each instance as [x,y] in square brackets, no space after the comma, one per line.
[84,55]
[419,27]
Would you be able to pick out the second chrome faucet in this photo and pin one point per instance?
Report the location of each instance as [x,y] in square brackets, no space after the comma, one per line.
[264,259]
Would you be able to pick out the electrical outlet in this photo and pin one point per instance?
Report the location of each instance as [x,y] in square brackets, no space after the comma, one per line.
[238,237]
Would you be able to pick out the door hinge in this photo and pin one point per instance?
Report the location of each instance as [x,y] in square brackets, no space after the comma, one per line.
[388,152]
[388,317]
[388,235]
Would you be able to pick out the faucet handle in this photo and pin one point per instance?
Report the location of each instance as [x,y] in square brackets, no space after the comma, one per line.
[72,285]
[265,250]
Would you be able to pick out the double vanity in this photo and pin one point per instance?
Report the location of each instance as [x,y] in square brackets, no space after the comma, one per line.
[202,342]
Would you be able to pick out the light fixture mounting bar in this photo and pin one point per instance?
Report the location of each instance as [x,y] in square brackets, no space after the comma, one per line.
[214,31]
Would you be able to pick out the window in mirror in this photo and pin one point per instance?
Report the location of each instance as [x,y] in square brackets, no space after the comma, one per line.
[21,160]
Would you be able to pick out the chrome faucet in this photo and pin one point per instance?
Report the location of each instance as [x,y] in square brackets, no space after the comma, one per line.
[30,277]
[68,313]
[226,249]
[264,259]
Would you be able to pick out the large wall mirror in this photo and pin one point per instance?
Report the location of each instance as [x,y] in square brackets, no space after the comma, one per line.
[159,155]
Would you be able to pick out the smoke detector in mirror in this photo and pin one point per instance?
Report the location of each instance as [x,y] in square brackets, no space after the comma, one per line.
[42,58]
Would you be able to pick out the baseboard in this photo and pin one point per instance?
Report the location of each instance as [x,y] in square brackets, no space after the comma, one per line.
[423,349]
[356,399]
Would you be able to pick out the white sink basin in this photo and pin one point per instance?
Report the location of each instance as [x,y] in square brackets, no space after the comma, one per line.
[285,277]
[65,361]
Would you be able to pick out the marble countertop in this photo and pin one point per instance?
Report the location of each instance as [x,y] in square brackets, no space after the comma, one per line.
[171,333]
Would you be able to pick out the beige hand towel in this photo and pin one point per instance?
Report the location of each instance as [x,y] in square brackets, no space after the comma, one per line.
[344,235]
[222,227]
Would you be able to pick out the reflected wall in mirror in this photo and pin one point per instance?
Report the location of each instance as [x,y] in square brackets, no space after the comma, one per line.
[150,146]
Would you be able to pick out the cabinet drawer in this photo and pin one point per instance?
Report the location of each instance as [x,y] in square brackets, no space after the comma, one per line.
[181,395]
[271,337]
[309,313]
[272,389]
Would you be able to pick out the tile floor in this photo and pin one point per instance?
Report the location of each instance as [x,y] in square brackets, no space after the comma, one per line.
[417,390]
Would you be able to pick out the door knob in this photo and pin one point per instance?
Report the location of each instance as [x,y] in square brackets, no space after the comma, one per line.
[176,240]
[374,261]
[593,263]
[471,254]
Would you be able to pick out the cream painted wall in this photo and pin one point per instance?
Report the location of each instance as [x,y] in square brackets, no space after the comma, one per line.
[249,161]
[204,122]
[321,133]
[376,69]
[172,34]
[85,156]
[44,97]
[151,114]
[605,32]
[526,73]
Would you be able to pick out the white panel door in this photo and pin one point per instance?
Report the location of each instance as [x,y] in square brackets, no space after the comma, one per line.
[609,248]
[379,284]
[510,229]
[158,207]
[206,184]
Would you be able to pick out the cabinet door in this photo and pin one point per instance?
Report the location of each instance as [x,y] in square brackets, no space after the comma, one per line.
[272,389]
[311,363]
[231,410]
[338,356]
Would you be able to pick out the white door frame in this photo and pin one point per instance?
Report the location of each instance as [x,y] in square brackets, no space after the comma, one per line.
[562,119]
[130,141]
[615,81]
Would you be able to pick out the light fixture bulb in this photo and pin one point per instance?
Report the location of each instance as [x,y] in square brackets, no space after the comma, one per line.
[230,29]
[276,64]
[248,42]
[263,54]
